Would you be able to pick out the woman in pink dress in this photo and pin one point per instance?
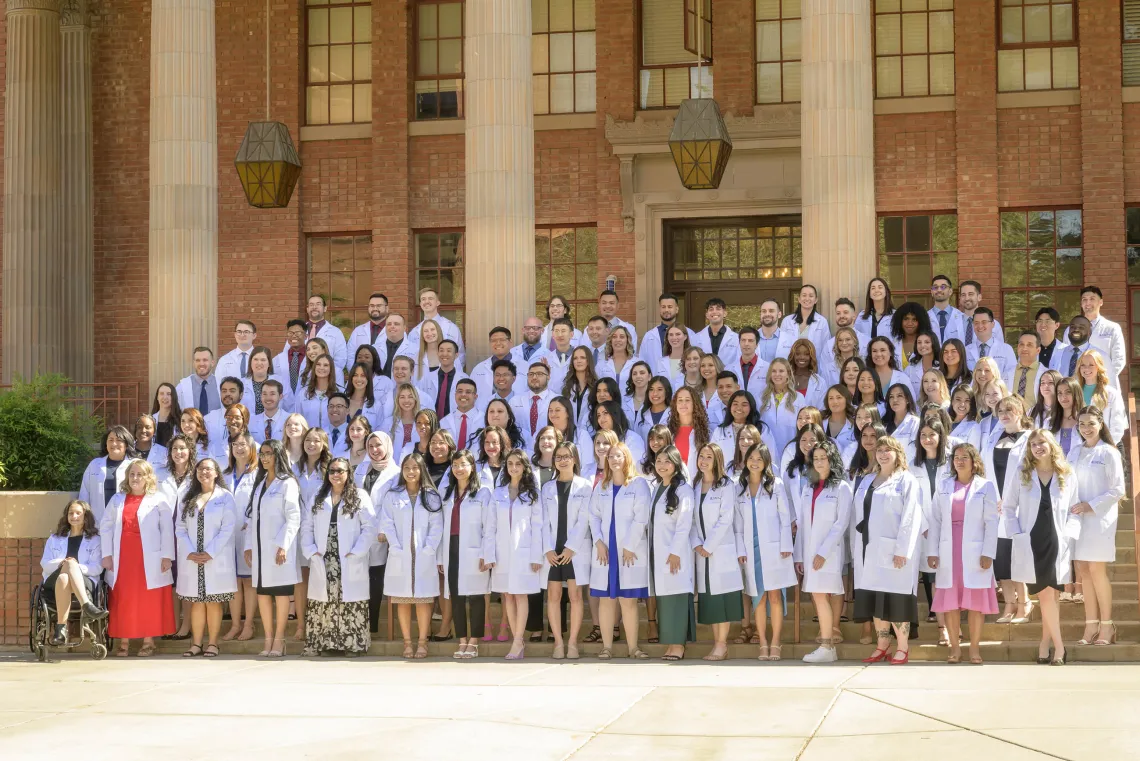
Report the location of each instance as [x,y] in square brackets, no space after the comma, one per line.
[961,545]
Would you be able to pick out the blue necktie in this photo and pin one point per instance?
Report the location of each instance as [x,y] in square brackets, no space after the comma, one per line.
[243,358]
[943,316]
[335,435]
[204,400]
[1073,361]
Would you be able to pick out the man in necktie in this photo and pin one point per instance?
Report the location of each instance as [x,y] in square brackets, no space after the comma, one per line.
[531,406]
[271,394]
[749,339]
[1079,331]
[534,413]
[294,355]
[338,416]
[204,398]
[597,331]
[940,291]
[200,388]
[1028,365]
[461,421]
[447,351]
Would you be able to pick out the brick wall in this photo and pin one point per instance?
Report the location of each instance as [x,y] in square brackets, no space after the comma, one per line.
[337,184]
[1039,156]
[437,185]
[19,573]
[734,70]
[260,266]
[915,162]
[565,176]
[1131,138]
[120,101]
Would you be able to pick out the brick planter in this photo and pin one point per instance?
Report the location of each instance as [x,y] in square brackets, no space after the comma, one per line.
[26,519]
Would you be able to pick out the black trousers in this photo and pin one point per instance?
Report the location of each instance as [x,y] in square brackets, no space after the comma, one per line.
[460,604]
[375,596]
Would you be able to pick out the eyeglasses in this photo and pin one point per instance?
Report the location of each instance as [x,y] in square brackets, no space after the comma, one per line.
[265,454]
[243,332]
[939,287]
[337,471]
[563,458]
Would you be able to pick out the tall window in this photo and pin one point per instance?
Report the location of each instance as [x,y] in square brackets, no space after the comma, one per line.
[562,55]
[1037,47]
[339,80]
[439,265]
[566,264]
[913,248]
[669,41]
[914,47]
[777,51]
[738,253]
[340,269]
[1041,265]
[1130,31]
[1132,254]
[439,59]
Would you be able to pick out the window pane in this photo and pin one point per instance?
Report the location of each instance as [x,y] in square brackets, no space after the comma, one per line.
[317,105]
[767,9]
[895,272]
[1037,24]
[362,103]
[340,63]
[914,33]
[676,86]
[1011,26]
[340,104]
[1041,266]
[1062,22]
[918,233]
[941,32]
[318,26]
[584,54]
[1012,268]
[652,88]
[1132,220]
[768,83]
[768,41]
[1015,312]
[428,58]
[913,5]
[362,62]
[1013,232]
[562,93]
[541,93]
[915,75]
[1069,266]
[340,24]
[1133,258]
[1041,229]
[451,56]
[918,272]
[1065,68]
[362,23]
[428,26]
[540,53]
[562,52]
[1069,229]
[892,235]
[887,6]
[451,20]
[792,81]
[792,39]
[561,16]
[946,232]
[449,249]
[887,35]
[1038,66]
[340,255]
[539,16]
[888,77]
[585,93]
[1011,70]
[584,14]
[942,74]
[1131,66]
[318,64]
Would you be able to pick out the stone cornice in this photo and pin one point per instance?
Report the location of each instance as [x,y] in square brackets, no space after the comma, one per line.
[12,6]
[651,128]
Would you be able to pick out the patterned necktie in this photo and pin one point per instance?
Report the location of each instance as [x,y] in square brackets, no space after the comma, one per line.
[533,414]
[204,400]
[243,361]
[1021,382]
[1073,357]
[294,368]
[943,316]
[969,332]
[335,435]
[983,350]
[462,443]
[268,429]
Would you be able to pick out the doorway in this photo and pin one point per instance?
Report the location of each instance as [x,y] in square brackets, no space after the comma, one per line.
[744,261]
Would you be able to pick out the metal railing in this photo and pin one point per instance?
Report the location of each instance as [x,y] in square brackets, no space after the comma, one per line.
[113,403]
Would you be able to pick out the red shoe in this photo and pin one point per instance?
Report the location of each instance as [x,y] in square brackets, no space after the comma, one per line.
[875,657]
[901,661]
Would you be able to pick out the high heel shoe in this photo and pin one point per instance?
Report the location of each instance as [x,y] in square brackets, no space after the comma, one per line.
[895,661]
[1087,639]
[1102,640]
[278,653]
[879,655]
[1060,661]
[487,633]
[265,650]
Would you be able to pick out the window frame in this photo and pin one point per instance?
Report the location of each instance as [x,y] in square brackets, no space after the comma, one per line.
[1027,288]
[923,297]
[1133,289]
[334,309]
[437,77]
[548,74]
[1074,43]
[329,84]
[781,62]
[1124,45]
[639,51]
[417,269]
[691,19]
[575,303]
[901,55]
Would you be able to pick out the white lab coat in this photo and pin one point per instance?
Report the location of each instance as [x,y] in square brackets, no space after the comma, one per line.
[315,409]
[157,456]
[173,491]
[334,339]
[968,431]
[156,528]
[846,435]
[189,389]
[277,508]
[1100,482]
[671,534]
[651,345]
[447,329]
[979,533]
[1011,375]
[218,517]
[816,391]
[1000,351]
[355,535]
[229,365]
[241,491]
[894,526]
[1107,338]
[586,448]
[453,421]
[818,332]
[822,534]
[897,376]
[780,419]
[89,557]
[943,472]
[863,325]
[476,543]
[377,551]
[250,401]
[729,345]
[773,533]
[91,487]
[521,404]
[642,422]
[955,324]
[281,371]
[714,530]
[1115,416]
[276,425]
[1012,468]
[518,543]
[402,447]
[428,386]
[907,429]
[607,369]
[484,378]
[629,514]
[411,528]
[1019,512]
[577,524]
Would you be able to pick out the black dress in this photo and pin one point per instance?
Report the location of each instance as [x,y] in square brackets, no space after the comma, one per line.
[1002,570]
[1045,544]
[562,572]
[885,606]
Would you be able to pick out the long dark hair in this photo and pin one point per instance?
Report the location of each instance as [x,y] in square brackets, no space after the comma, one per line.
[799,461]
[572,448]
[570,383]
[90,528]
[909,309]
[195,490]
[834,459]
[617,415]
[350,497]
[753,416]
[511,428]
[629,389]
[889,414]
[799,316]
[649,461]
[767,478]
[175,410]
[472,480]
[571,432]
[920,451]
[964,375]
[190,463]
[504,446]
[1093,411]
[611,385]
[680,476]
[528,483]
[428,495]
[869,304]
[861,461]
[369,392]
[374,359]
[282,470]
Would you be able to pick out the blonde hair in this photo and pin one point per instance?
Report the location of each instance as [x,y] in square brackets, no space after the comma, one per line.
[150,480]
[628,342]
[789,392]
[629,471]
[835,353]
[304,428]
[1016,404]
[893,444]
[1099,396]
[396,406]
[423,342]
[989,362]
[1061,467]
[980,395]
[942,388]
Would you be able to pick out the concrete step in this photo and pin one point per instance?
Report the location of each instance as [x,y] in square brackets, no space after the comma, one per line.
[1071,631]
[1017,651]
[1125,538]
[1122,572]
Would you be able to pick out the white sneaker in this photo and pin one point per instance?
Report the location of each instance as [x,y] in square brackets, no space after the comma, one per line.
[821,655]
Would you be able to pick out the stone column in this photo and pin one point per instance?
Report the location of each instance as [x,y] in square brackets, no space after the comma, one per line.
[77,247]
[34,326]
[499,170]
[838,150]
[183,186]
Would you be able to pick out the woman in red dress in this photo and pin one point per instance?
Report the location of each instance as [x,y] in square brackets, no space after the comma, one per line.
[137,531]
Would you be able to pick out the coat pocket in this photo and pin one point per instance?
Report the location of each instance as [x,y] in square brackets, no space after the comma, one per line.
[884,549]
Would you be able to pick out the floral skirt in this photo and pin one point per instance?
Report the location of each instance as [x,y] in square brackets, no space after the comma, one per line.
[334,624]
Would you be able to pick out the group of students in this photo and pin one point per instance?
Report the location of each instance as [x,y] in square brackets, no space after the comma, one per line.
[704,472]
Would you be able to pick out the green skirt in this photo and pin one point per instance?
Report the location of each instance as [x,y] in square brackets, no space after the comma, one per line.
[719,609]
[676,622]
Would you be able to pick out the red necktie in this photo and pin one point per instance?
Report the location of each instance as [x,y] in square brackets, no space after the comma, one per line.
[533,414]
[441,397]
[462,443]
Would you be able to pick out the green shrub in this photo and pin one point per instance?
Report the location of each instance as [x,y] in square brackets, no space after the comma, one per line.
[46,436]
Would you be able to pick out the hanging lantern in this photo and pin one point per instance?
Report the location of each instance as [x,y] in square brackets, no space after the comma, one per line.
[700,144]
[268,165]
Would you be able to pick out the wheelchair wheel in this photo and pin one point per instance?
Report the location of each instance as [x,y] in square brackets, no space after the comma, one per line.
[98,652]
[41,652]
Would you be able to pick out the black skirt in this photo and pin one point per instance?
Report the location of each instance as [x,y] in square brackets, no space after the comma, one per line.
[48,590]
[1003,562]
[1045,544]
[885,606]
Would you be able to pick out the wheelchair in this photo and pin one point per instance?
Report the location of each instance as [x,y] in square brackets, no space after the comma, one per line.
[91,632]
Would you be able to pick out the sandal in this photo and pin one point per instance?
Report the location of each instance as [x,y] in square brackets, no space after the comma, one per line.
[776,651]
[714,657]
[604,654]
[680,657]
[189,653]
[763,653]
[595,635]
[146,651]
[536,637]
[1089,639]
[746,635]
[639,654]
[211,651]
[559,652]
[421,650]
[976,660]
[954,657]
[124,650]
[408,652]
[473,652]
[655,639]
[572,653]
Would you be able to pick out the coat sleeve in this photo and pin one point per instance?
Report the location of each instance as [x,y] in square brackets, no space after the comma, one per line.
[786,520]
[490,527]
[47,562]
[842,520]
[90,564]
[596,514]
[934,532]
[640,523]
[386,523]
[738,507]
[682,539]
[990,520]
[84,494]
[1115,416]
[181,532]
[307,540]
[292,525]
[1070,498]
[576,540]
[367,517]
[910,527]
[798,536]
[1009,505]
[225,533]
[166,530]
[538,527]
[435,532]
[1112,488]
[545,512]
[107,529]
[723,523]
